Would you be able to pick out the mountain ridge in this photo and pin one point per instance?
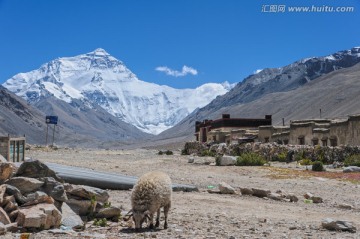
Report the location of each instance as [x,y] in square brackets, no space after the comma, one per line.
[99,79]
[257,91]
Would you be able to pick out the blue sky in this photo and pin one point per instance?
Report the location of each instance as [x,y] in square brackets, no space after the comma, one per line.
[218,40]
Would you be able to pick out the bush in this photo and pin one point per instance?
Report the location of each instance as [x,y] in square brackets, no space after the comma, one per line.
[169,152]
[184,152]
[306,161]
[100,222]
[353,160]
[217,160]
[318,166]
[281,157]
[299,156]
[250,159]
[206,153]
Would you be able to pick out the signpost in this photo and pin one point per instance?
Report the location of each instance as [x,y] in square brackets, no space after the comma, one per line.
[51,119]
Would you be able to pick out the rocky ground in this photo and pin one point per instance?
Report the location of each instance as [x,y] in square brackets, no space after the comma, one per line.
[205,215]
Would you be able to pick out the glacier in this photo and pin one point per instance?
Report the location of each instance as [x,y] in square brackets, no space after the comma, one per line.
[97,78]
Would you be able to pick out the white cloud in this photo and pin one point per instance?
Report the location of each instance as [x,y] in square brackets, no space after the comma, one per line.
[186,70]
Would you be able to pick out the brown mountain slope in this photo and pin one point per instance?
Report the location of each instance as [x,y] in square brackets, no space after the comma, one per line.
[337,94]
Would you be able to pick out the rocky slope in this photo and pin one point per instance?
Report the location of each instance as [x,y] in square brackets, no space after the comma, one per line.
[77,125]
[18,118]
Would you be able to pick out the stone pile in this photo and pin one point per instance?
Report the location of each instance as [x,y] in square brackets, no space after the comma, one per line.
[33,198]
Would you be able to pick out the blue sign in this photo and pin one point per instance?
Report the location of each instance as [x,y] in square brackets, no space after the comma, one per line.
[51,119]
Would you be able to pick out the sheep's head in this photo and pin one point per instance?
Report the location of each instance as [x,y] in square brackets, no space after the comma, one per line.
[139,217]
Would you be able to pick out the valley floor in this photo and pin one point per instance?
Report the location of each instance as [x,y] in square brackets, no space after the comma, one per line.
[205,215]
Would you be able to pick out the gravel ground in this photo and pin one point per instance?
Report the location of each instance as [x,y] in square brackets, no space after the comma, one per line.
[204,215]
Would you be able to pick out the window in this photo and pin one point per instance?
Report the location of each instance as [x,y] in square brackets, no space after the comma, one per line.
[266,139]
[315,141]
[301,140]
[333,141]
[324,142]
[286,141]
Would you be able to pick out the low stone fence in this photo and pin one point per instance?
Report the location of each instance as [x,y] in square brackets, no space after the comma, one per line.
[276,152]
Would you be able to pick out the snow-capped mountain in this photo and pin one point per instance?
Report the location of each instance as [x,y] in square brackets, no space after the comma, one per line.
[98,79]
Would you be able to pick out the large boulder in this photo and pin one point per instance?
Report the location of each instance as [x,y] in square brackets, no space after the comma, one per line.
[226,161]
[36,169]
[6,171]
[69,217]
[89,193]
[54,189]
[11,190]
[41,216]
[4,218]
[109,212]
[37,198]
[9,204]
[25,185]
[82,207]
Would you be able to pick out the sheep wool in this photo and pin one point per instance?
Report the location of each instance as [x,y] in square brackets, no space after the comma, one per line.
[151,193]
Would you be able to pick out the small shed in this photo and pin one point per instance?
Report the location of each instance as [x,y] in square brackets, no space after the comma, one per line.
[12,148]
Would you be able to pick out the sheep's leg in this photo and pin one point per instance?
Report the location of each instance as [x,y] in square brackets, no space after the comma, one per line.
[151,221]
[166,211]
[157,224]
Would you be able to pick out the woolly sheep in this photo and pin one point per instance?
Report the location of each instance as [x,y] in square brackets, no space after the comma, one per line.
[151,192]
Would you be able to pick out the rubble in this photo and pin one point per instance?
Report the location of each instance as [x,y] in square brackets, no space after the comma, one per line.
[36,199]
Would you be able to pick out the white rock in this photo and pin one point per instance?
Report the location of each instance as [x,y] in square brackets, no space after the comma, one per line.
[226,188]
[227,160]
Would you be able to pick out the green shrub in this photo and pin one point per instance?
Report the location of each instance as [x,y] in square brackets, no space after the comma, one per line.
[184,152]
[281,157]
[107,204]
[100,222]
[250,159]
[306,161]
[160,152]
[353,160]
[299,156]
[217,160]
[318,166]
[169,152]
[206,153]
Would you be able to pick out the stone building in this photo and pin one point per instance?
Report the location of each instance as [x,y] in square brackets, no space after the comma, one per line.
[324,132]
[228,130]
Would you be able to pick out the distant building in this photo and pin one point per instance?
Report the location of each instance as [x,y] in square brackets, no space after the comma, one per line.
[228,130]
[324,132]
[12,149]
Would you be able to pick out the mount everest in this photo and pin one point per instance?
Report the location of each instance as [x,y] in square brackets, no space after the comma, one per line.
[98,79]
